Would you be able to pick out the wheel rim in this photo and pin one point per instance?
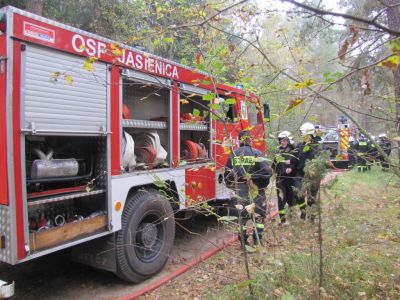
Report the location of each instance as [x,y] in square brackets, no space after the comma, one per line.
[149,237]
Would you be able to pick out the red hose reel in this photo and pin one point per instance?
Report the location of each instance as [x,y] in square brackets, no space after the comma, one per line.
[145,149]
[193,151]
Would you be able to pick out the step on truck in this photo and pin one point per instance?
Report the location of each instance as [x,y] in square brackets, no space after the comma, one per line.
[103,143]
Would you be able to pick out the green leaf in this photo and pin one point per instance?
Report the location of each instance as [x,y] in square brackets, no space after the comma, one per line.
[279,158]
[215,106]
[205,82]
[250,249]
[246,283]
[205,114]
[306,83]
[196,112]
[261,159]
[169,40]
[330,80]
[208,97]
[337,74]
[182,163]
[156,42]
[215,117]
[218,65]
[200,67]
[230,101]
[394,45]
[236,119]
[228,218]
[306,148]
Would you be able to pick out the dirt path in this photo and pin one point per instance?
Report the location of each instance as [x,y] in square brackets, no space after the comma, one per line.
[56,277]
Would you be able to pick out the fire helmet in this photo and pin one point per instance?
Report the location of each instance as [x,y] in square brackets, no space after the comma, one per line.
[284,135]
[307,129]
[382,136]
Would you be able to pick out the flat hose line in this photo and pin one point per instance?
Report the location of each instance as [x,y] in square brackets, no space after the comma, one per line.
[159,282]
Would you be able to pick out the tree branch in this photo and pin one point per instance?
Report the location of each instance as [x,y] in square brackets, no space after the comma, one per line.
[345,16]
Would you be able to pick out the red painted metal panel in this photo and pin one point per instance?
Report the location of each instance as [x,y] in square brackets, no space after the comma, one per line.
[3,131]
[175,125]
[222,141]
[115,121]
[16,110]
[200,184]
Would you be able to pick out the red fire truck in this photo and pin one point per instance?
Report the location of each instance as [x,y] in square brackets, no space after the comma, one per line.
[102,143]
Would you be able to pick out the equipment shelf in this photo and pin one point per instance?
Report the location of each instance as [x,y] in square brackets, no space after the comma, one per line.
[144,124]
[46,200]
[193,127]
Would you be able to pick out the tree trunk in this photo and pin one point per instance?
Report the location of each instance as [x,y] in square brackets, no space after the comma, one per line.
[35,6]
[393,16]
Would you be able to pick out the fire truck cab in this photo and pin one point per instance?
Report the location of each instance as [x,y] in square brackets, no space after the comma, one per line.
[102,143]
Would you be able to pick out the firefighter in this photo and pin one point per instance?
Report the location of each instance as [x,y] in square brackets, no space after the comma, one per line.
[351,152]
[372,153]
[306,151]
[362,147]
[386,146]
[284,167]
[246,167]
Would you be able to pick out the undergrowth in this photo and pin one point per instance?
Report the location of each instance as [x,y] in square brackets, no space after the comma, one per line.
[361,246]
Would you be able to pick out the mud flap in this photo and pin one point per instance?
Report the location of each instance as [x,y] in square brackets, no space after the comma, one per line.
[6,289]
[99,253]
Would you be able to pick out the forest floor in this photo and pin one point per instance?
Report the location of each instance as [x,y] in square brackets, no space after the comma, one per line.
[360,250]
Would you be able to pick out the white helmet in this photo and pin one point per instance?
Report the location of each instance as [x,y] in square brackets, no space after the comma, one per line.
[382,135]
[284,134]
[307,128]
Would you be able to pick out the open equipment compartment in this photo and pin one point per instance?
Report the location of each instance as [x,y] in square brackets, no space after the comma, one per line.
[194,127]
[66,188]
[146,115]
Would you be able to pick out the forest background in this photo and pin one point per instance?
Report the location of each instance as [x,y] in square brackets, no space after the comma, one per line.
[310,61]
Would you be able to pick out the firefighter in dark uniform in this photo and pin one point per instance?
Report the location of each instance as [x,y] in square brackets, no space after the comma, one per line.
[386,146]
[306,151]
[284,165]
[362,147]
[351,152]
[372,155]
[246,167]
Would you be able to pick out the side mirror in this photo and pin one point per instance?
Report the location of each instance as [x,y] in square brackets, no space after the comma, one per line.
[266,111]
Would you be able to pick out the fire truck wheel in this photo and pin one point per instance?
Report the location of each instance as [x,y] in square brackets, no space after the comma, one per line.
[145,241]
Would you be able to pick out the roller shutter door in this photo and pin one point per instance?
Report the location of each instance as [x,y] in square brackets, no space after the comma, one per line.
[80,107]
